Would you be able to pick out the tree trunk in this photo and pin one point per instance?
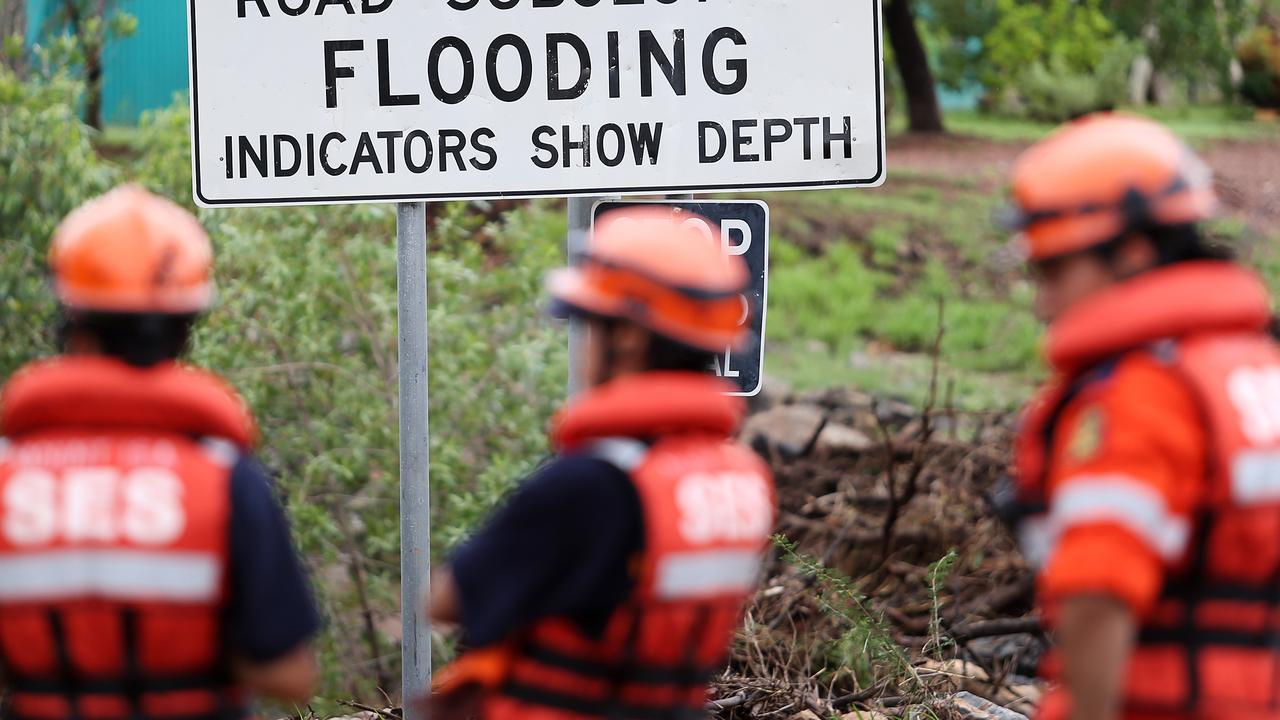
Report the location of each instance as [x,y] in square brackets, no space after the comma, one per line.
[93,86]
[913,66]
[92,49]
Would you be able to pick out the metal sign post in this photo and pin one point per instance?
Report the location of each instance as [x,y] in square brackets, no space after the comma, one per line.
[415,452]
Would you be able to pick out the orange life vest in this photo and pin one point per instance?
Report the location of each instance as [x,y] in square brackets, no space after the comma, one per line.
[708,507]
[1211,649]
[114,509]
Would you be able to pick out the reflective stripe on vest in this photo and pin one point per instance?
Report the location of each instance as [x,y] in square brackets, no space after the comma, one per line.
[1084,500]
[111,575]
[709,572]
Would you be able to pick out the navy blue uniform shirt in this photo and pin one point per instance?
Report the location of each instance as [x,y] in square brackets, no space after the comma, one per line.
[270,611]
[561,546]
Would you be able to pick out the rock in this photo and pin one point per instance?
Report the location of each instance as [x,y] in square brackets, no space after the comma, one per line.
[805,715]
[1021,652]
[773,392]
[787,429]
[966,678]
[971,707]
[843,440]
[895,412]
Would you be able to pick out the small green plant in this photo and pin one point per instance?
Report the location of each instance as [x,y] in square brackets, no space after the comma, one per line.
[938,573]
[866,646]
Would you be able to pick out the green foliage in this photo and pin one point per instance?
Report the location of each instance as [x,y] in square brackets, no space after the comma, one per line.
[1072,34]
[81,30]
[1189,39]
[1198,125]
[92,23]
[956,29]
[47,167]
[938,574]
[1057,60]
[12,47]
[1038,58]
[839,299]
[1259,56]
[1053,92]
[866,647]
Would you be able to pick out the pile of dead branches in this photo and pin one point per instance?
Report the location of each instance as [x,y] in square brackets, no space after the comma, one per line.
[894,587]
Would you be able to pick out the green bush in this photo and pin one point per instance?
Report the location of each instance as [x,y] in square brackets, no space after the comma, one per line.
[1056,60]
[1259,57]
[1054,92]
[47,167]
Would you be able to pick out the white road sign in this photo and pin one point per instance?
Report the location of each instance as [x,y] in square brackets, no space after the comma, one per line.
[332,101]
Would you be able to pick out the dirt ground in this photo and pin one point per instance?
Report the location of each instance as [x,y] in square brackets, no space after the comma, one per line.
[1247,172]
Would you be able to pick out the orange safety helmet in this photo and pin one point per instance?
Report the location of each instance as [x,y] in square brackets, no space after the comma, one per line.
[659,268]
[129,251]
[1102,176]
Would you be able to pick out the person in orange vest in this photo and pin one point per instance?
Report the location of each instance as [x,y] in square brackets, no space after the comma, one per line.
[1148,470]
[610,585]
[146,569]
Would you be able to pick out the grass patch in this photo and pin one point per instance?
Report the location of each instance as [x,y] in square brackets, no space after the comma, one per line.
[1195,124]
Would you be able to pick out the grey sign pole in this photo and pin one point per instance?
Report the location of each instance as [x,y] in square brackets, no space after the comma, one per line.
[579,229]
[415,453]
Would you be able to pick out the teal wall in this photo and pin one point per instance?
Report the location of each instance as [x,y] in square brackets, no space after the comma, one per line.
[142,72]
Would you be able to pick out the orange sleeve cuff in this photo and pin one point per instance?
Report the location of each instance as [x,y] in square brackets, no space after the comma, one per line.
[1104,559]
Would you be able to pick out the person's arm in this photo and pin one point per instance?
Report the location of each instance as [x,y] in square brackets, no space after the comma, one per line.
[271,616]
[558,547]
[1096,636]
[291,678]
[443,606]
[1127,472]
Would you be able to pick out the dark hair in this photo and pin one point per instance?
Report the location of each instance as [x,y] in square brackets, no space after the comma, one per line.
[139,339]
[664,353]
[1173,244]
[668,354]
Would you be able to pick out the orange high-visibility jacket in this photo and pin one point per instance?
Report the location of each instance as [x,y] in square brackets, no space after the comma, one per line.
[1150,470]
[708,507]
[114,511]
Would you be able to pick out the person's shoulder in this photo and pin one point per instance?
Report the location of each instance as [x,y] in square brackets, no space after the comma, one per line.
[249,474]
[1140,382]
[253,494]
[1137,409]
[578,474]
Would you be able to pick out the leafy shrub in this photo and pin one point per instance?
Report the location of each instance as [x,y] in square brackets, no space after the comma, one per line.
[1054,92]
[47,167]
[1074,34]
[1057,60]
[1259,57]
